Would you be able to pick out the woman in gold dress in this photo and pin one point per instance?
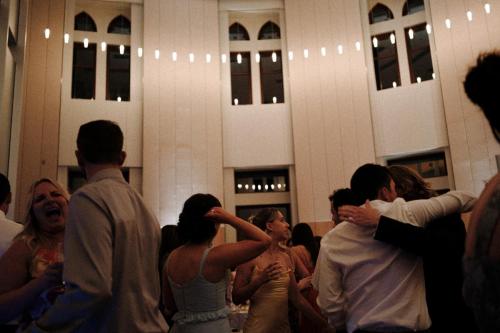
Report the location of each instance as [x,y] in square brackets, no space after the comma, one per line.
[268,281]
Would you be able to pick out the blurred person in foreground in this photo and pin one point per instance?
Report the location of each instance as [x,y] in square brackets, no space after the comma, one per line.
[482,250]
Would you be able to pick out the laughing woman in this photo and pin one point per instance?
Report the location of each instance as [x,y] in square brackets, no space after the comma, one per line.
[31,269]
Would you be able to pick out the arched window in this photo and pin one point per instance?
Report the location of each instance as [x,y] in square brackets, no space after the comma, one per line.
[84,22]
[380,13]
[238,32]
[119,25]
[413,6]
[269,30]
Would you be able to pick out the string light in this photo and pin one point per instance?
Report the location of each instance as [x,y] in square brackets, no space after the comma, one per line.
[208,58]
[85,42]
[157,54]
[223,58]
[66,38]
[394,84]
[375,42]
[306,53]
[290,55]
[239,58]
[411,34]
[275,100]
[257,57]
[235,101]
[323,51]
[419,79]
[340,49]
[174,56]
[392,38]
[447,23]
[274,57]
[139,52]
[469,15]
[358,46]
[487,8]
[428,28]
[191,57]
[103,46]
[433,76]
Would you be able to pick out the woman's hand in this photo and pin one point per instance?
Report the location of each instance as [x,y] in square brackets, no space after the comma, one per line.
[304,283]
[367,216]
[219,215]
[271,272]
[51,277]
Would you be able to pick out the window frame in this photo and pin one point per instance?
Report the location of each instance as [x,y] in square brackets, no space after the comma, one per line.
[376,60]
[127,48]
[421,26]
[91,46]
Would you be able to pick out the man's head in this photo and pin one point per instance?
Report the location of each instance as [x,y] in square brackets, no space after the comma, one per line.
[372,181]
[340,197]
[482,85]
[100,142]
[5,195]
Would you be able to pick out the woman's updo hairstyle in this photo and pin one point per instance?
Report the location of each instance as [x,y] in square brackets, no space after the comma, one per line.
[193,226]
[263,217]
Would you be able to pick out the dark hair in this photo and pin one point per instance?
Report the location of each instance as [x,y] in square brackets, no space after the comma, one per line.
[100,142]
[482,85]
[169,242]
[193,226]
[302,235]
[341,197]
[4,188]
[367,180]
[409,184]
[263,217]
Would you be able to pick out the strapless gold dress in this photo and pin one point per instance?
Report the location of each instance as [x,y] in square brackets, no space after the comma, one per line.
[268,310]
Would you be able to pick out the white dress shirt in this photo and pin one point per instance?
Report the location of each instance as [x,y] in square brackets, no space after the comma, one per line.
[371,285]
[8,230]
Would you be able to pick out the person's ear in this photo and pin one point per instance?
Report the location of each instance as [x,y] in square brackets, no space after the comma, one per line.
[79,158]
[383,193]
[123,156]
[269,226]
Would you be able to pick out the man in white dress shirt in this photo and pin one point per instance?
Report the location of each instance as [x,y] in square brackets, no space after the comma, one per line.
[8,229]
[111,247]
[368,286]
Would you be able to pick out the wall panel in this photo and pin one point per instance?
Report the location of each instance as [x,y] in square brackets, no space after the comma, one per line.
[330,104]
[472,145]
[182,120]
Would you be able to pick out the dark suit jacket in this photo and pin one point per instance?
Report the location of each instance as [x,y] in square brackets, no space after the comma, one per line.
[441,244]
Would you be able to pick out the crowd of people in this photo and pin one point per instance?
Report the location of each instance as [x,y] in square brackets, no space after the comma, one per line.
[397,259]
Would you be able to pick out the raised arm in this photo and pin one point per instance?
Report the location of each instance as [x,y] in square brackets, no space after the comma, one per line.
[436,207]
[233,254]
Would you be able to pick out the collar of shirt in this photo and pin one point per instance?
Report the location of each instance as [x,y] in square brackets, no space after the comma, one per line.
[114,173]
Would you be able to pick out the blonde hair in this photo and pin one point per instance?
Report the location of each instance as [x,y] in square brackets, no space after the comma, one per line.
[31,233]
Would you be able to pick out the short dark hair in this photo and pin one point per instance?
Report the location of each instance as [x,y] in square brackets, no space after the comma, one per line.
[367,180]
[4,188]
[302,234]
[193,226]
[482,85]
[341,197]
[100,142]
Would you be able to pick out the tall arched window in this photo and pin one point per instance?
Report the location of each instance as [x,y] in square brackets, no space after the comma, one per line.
[413,6]
[119,25]
[269,30]
[380,13]
[84,22]
[238,32]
